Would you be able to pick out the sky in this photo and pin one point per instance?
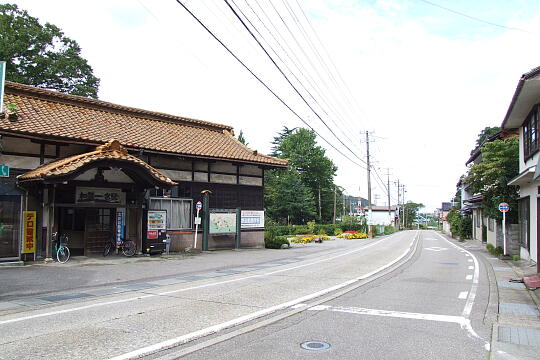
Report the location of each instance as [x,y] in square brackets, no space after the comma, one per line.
[422,77]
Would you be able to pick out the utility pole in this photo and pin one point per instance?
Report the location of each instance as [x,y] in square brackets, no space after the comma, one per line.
[335,199]
[399,207]
[320,211]
[368,172]
[388,188]
[404,212]
[369,182]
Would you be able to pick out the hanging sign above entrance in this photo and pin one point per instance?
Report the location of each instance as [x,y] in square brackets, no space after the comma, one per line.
[91,195]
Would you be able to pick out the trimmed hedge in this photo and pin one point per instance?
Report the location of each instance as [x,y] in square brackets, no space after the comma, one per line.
[330,229]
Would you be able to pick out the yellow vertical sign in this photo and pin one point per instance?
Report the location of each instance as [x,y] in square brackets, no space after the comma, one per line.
[29,226]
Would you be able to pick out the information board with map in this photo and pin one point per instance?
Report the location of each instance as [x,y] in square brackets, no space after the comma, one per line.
[222,222]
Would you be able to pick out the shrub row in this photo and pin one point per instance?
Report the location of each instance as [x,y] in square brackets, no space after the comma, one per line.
[327,229]
[275,242]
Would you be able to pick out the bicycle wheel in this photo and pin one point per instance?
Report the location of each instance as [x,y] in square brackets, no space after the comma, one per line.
[63,254]
[129,248]
[107,250]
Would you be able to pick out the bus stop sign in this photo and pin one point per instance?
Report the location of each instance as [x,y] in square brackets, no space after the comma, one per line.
[503,207]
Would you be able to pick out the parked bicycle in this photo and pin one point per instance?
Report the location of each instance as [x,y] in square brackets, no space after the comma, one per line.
[60,248]
[127,247]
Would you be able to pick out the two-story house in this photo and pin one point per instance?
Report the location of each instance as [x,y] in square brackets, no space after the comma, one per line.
[523,114]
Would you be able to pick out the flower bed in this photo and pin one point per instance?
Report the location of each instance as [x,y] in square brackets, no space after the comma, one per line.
[351,234]
[305,239]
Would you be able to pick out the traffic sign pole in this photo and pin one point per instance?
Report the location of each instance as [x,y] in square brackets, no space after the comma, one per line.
[503,207]
[198,206]
[504,232]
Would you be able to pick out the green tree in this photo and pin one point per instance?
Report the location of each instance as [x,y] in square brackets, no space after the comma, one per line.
[460,226]
[278,139]
[287,199]
[316,170]
[500,163]
[242,139]
[40,55]
[410,210]
[485,134]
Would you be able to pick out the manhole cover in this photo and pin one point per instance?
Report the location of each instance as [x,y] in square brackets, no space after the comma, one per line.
[315,345]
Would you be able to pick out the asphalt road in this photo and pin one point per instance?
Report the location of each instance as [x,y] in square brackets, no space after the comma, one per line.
[424,305]
[145,320]
[434,307]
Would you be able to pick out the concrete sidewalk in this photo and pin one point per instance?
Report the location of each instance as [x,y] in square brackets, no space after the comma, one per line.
[516,334]
[516,328]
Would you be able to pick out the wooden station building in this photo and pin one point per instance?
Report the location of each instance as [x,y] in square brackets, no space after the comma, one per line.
[76,164]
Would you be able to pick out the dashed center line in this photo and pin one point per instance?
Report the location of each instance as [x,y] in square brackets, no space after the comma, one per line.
[468,277]
[463,295]
[471,267]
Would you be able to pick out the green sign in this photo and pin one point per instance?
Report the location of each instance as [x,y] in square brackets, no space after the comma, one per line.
[2,81]
[4,171]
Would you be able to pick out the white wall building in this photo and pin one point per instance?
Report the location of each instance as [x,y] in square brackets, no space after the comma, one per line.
[523,114]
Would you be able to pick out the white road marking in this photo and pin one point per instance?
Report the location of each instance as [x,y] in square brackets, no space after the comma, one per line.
[474,287]
[240,320]
[389,313]
[466,254]
[51,313]
[463,322]
[436,248]
[468,277]
[470,260]
[463,295]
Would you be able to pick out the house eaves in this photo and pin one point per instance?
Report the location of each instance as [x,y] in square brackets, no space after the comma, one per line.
[526,95]
[524,178]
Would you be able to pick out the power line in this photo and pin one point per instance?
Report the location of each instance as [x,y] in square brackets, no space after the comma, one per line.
[288,80]
[297,64]
[475,18]
[261,81]
[354,102]
[318,56]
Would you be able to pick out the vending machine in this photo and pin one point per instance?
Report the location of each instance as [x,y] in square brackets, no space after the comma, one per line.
[154,231]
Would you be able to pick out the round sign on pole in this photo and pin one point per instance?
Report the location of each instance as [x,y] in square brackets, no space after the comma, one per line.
[198,205]
[504,207]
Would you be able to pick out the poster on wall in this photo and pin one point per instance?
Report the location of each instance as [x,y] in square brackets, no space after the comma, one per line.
[29,226]
[222,222]
[252,219]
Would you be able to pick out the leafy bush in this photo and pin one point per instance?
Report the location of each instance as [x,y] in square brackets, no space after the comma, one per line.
[515,257]
[494,250]
[338,232]
[460,226]
[276,242]
[302,229]
[388,230]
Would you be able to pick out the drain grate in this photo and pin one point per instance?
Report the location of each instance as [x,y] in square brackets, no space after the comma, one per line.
[315,345]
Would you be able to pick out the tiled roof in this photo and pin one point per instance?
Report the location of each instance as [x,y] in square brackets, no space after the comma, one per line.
[48,114]
[112,150]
